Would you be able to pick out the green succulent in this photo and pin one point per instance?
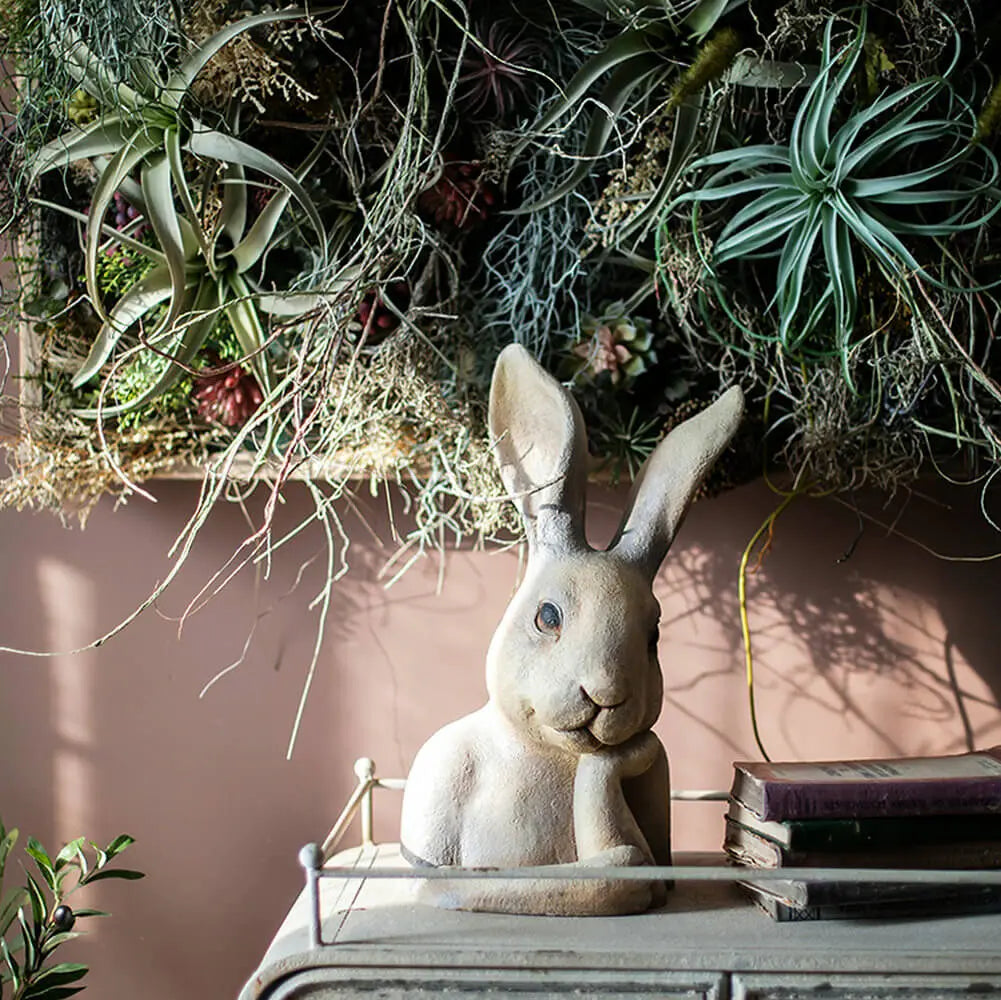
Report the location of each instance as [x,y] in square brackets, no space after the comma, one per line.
[118,271]
[613,347]
[81,108]
[847,192]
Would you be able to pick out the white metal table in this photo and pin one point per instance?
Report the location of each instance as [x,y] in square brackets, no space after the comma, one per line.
[361,935]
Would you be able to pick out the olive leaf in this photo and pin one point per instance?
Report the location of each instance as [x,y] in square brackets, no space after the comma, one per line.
[42,920]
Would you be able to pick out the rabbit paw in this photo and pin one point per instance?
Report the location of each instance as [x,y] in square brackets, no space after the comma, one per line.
[642,895]
[625,896]
[626,760]
[623,856]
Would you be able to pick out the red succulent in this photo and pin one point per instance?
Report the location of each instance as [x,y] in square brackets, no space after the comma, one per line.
[226,394]
[378,319]
[460,197]
[125,214]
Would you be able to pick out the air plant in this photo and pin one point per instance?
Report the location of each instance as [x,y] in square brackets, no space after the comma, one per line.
[639,57]
[839,199]
[198,270]
[197,274]
[496,70]
[622,438]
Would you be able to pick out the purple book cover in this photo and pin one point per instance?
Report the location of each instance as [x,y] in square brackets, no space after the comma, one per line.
[908,786]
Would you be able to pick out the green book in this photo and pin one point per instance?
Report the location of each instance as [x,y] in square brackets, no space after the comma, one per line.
[868,834]
[945,902]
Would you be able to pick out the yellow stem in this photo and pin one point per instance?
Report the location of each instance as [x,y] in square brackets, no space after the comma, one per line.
[744,627]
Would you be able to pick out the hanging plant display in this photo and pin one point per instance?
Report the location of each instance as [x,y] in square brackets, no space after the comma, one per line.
[273,243]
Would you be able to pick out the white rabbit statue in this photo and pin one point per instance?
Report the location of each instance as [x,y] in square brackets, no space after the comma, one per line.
[560,766]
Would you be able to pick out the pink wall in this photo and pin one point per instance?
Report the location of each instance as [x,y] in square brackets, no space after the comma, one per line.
[890,652]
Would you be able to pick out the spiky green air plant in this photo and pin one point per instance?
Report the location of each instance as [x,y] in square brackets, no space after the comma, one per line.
[622,437]
[197,273]
[614,347]
[838,199]
[216,269]
[637,58]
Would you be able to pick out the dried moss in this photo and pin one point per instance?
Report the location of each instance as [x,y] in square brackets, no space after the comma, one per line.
[61,467]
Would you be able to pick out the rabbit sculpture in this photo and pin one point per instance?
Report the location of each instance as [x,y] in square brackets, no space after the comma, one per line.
[560,766]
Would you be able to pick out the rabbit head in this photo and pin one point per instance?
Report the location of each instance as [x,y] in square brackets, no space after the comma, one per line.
[574,663]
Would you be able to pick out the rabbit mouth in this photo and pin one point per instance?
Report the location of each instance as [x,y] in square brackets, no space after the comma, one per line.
[602,727]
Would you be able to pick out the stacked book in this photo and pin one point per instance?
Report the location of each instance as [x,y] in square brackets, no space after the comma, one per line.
[915,813]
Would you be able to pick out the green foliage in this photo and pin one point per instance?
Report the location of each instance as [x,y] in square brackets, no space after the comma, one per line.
[117,271]
[35,918]
[40,93]
[633,67]
[133,382]
[225,342]
[623,437]
[842,205]
[846,194]
[195,272]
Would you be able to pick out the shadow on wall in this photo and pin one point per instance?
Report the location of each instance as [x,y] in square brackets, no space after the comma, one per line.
[868,631]
[116,739]
[888,651]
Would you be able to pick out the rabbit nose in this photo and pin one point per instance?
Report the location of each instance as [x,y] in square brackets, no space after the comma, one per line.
[602,698]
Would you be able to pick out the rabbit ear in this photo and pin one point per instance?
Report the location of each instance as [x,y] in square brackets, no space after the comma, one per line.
[541,448]
[670,477]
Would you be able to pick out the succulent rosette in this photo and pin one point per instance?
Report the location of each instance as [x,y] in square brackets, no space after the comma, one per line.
[613,347]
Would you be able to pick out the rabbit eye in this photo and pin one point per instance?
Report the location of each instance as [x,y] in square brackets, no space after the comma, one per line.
[548,618]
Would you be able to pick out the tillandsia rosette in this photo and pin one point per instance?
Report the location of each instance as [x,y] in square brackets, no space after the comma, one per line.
[850,193]
[613,348]
[497,70]
[206,260]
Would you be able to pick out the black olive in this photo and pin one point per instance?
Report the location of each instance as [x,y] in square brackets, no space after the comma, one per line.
[63,918]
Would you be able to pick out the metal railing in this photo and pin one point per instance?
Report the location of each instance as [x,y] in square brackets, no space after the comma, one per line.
[313,858]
